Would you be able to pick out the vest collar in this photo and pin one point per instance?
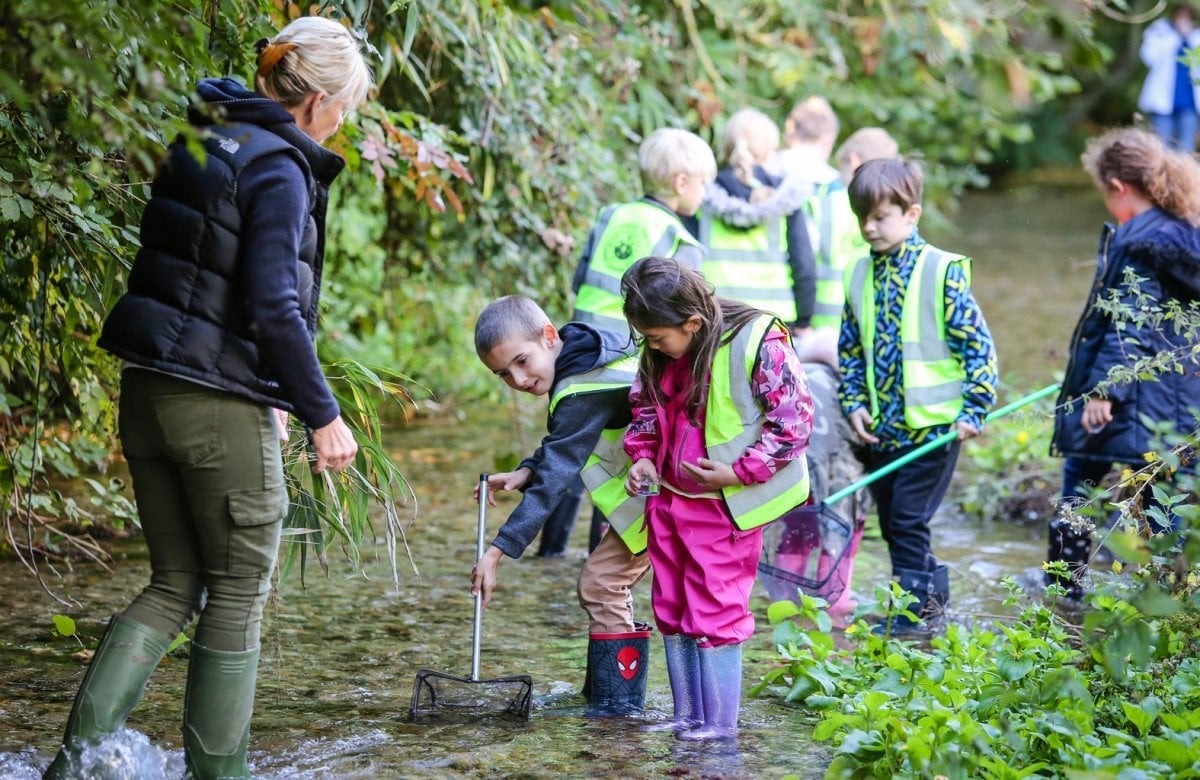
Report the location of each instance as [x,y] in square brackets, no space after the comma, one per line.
[324,164]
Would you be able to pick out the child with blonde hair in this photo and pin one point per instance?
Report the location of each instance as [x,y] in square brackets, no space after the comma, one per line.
[676,167]
[751,225]
[834,240]
[809,134]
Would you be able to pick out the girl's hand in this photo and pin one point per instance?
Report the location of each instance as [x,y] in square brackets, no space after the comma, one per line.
[860,421]
[505,480]
[711,474]
[639,474]
[1097,414]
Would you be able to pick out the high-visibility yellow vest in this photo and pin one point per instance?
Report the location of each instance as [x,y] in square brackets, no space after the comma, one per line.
[605,469]
[838,243]
[625,233]
[734,423]
[750,264]
[933,377]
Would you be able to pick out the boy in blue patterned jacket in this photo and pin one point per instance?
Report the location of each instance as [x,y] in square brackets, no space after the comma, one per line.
[917,360]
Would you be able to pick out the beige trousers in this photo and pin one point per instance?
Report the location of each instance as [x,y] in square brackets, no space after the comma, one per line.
[606,585]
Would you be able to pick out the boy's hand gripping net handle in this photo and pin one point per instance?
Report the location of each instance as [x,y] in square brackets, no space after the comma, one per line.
[929,446]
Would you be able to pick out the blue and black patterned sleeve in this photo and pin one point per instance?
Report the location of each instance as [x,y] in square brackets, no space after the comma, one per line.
[971,343]
[852,390]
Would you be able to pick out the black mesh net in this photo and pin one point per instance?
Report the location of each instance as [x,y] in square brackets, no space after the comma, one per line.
[811,549]
[441,695]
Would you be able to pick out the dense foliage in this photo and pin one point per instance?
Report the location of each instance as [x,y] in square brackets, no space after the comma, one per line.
[497,131]
[1117,696]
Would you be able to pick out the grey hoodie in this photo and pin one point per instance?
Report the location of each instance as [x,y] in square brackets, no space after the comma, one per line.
[572,430]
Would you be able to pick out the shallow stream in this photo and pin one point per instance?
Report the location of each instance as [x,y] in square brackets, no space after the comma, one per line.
[340,656]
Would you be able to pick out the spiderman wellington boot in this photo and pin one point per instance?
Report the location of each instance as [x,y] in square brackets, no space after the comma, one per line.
[721,692]
[617,665]
[683,669]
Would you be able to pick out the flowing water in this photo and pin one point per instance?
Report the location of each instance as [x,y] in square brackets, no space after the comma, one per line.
[340,656]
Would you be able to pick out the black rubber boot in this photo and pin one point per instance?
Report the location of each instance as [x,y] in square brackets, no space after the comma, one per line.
[1074,547]
[617,666]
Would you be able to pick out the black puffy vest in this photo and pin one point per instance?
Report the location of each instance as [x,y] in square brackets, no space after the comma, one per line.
[184,312]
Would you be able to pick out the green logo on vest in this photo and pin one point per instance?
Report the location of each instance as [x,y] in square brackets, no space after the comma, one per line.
[622,243]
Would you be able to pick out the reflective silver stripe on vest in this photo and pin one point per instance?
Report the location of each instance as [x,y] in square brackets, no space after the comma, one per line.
[825,251]
[828,309]
[615,324]
[755,293]
[858,281]
[607,374]
[612,454]
[929,396]
[931,346]
[742,502]
[609,284]
[666,244]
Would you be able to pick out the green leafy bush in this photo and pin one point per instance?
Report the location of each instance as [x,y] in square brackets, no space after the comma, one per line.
[1038,697]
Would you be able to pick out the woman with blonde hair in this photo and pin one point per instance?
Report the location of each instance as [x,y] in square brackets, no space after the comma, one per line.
[216,331]
[1150,257]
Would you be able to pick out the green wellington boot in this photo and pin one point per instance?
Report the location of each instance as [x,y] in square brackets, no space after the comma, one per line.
[113,685]
[216,712]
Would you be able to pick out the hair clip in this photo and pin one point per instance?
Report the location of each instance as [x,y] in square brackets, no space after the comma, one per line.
[269,55]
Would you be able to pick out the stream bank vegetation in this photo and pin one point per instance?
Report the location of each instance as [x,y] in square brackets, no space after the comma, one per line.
[1109,688]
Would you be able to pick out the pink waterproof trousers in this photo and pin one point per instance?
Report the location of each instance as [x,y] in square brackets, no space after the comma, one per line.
[704,568]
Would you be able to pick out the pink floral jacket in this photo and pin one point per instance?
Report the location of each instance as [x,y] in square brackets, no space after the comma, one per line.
[668,438]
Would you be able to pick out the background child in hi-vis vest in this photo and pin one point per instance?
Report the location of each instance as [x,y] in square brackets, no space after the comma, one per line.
[833,241]
[721,419]
[676,166]
[917,359]
[750,225]
[586,372]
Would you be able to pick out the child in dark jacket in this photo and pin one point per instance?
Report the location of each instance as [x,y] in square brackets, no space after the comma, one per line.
[586,371]
[1154,194]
